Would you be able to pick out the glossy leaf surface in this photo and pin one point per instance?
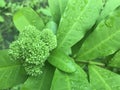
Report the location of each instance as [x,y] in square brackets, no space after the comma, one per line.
[102,79]
[109,6]
[104,40]
[11,72]
[61,61]
[27,16]
[66,81]
[78,17]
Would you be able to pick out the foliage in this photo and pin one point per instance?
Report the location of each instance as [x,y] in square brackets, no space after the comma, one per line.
[87,53]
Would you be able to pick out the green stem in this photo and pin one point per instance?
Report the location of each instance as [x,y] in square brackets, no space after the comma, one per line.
[91,62]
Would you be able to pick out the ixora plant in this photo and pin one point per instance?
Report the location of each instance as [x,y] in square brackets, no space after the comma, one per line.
[77,50]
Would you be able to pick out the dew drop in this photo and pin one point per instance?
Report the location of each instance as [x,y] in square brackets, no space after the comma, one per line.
[109,23]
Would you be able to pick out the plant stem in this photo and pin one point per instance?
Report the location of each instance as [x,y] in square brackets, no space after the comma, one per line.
[91,62]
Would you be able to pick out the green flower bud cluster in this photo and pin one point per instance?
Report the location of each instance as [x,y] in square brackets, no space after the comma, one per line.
[32,48]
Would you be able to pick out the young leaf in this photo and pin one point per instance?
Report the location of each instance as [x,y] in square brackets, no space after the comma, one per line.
[78,17]
[52,26]
[27,16]
[66,81]
[55,10]
[110,6]
[11,72]
[45,11]
[115,62]
[61,61]
[102,79]
[41,82]
[104,40]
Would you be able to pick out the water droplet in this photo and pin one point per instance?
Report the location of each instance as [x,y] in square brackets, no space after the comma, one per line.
[64,15]
[100,26]
[109,23]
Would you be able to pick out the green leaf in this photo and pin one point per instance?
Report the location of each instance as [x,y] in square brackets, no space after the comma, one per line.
[102,79]
[45,11]
[52,26]
[61,61]
[66,81]
[27,16]
[55,10]
[1,19]
[41,82]
[109,6]
[62,4]
[104,40]
[115,62]
[79,16]
[2,3]
[11,72]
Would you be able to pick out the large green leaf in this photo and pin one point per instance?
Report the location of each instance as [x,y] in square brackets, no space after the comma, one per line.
[102,79]
[66,81]
[104,40]
[115,62]
[41,82]
[109,6]
[55,10]
[78,17]
[27,16]
[61,61]
[11,72]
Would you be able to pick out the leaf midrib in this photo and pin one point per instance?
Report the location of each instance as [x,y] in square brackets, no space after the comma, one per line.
[102,42]
[9,66]
[66,36]
[101,78]
[69,87]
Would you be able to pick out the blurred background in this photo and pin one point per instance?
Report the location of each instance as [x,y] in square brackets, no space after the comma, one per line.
[8,32]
